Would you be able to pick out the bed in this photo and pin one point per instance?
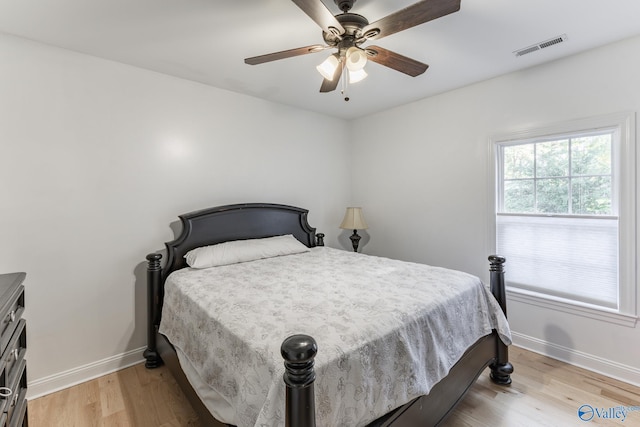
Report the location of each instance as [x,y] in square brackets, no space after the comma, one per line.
[317,375]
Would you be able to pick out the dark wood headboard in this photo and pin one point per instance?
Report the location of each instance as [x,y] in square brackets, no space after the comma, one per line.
[236,222]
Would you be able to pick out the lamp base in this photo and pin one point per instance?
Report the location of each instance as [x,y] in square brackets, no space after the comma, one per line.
[355,240]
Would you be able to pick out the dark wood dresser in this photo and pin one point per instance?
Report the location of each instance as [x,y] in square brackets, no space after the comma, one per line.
[13,346]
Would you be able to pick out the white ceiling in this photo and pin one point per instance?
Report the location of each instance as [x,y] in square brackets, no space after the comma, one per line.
[207,40]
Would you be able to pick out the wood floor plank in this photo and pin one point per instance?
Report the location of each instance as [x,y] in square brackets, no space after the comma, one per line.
[545,392]
[111,398]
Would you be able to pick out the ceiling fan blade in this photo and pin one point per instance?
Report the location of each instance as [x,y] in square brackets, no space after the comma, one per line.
[284,54]
[330,85]
[396,61]
[416,14]
[322,16]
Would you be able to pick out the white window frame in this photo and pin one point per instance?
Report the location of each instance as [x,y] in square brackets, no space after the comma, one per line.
[624,161]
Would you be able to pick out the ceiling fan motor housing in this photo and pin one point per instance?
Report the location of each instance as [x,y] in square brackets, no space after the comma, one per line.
[352,24]
[344,5]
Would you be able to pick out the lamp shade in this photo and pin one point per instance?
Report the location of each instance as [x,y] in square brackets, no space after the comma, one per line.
[354,220]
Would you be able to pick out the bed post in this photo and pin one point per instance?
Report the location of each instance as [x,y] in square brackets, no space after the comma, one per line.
[154,278]
[298,352]
[501,369]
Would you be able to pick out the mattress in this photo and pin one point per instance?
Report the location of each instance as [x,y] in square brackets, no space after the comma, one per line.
[387,331]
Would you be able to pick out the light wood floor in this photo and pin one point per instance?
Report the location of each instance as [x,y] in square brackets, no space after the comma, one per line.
[545,392]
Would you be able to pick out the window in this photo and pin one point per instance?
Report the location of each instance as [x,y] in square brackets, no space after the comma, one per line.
[567,175]
[564,210]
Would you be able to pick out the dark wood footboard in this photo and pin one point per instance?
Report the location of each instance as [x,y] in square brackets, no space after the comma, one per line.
[298,352]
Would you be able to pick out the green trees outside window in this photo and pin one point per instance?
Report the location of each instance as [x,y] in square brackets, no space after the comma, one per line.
[564,176]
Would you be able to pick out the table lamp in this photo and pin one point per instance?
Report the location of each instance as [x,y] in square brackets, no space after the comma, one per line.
[354,220]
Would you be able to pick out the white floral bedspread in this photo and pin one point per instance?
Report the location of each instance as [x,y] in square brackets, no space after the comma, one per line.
[387,330]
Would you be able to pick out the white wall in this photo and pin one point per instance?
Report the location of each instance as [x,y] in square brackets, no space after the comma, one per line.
[421,175]
[98,159]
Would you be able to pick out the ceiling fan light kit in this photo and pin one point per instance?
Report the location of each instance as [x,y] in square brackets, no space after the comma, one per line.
[357,76]
[328,67]
[347,31]
[356,58]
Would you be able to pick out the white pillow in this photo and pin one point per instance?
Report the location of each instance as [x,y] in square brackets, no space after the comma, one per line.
[243,250]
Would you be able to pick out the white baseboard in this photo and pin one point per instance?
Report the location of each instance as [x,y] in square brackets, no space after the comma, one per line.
[62,380]
[612,369]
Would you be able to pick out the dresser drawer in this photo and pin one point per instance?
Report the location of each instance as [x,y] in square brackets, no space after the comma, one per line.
[14,353]
[19,415]
[17,401]
[11,365]
[13,348]
[9,317]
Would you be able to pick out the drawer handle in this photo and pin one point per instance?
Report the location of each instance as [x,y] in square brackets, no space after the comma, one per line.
[15,352]
[5,392]
[12,316]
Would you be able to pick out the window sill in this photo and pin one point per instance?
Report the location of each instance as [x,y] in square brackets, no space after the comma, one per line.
[558,304]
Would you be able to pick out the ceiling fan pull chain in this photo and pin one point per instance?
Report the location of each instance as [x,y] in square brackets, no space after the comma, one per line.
[345,83]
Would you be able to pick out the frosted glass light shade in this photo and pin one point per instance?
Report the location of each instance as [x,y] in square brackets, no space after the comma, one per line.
[328,67]
[356,59]
[356,76]
[354,220]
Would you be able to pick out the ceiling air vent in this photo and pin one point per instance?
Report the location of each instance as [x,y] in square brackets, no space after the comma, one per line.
[541,45]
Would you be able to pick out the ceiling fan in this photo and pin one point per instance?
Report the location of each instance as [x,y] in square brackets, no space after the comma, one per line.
[347,32]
